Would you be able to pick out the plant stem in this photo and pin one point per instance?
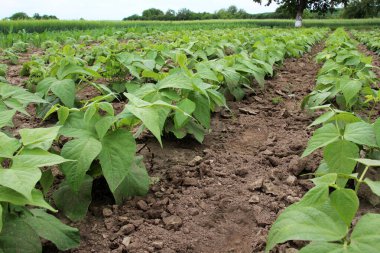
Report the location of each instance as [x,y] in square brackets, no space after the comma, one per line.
[361,179]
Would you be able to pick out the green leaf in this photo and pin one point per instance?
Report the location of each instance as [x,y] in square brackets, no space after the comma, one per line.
[117,157]
[39,137]
[46,181]
[369,162]
[360,133]
[373,185]
[52,229]
[327,179]
[6,117]
[8,145]
[36,158]
[1,218]
[12,242]
[339,157]
[103,125]
[148,114]
[202,110]
[63,113]
[351,89]
[178,80]
[366,236]
[75,126]
[312,219]
[376,127]
[322,137]
[325,247]
[323,118]
[65,90]
[187,106]
[11,196]
[346,202]
[136,183]
[74,204]
[84,151]
[22,180]
[205,72]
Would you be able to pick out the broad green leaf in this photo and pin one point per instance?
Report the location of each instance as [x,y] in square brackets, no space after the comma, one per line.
[322,137]
[65,90]
[36,158]
[39,137]
[11,196]
[103,125]
[117,157]
[136,183]
[147,113]
[22,180]
[52,229]
[8,145]
[366,236]
[178,80]
[1,218]
[369,162]
[6,117]
[69,69]
[312,219]
[325,247]
[323,118]
[373,185]
[187,106]
[75,126]
[202,110]
[84,151]
[339,157]
[63,113]
[346,202]
[46,181]
[205,72]
[377,131]
[351,89]
[327,179]
[11,240]
[360,133]
[74,204]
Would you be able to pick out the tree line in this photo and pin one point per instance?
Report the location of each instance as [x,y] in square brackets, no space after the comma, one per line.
[350,9]
[36,16]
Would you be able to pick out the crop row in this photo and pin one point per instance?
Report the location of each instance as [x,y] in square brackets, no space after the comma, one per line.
[370,38]
[167,91]
[350,145]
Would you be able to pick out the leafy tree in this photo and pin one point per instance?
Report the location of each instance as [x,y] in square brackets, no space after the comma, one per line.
[297,7]
[184,14]
[19,15]
[362,9]
[152,14]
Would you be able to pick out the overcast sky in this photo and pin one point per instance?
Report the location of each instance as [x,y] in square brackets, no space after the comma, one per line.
[118,9]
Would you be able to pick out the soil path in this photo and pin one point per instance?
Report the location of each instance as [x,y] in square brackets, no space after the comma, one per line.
[223,195]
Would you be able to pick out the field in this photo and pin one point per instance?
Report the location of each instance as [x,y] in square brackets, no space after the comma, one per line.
[189,137]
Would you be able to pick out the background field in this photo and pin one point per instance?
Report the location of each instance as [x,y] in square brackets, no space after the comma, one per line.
[59,25]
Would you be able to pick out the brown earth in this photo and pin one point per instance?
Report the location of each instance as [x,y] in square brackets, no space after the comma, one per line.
[223,195]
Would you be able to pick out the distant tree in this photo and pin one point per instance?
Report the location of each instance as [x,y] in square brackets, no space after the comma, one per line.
[152,14]
[184,14]
[36,16]
[133,17]
[362,9]
[232,10]
[19,15]
[297,7]
[170,15]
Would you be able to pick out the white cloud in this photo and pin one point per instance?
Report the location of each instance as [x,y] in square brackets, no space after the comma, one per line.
[118,9]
